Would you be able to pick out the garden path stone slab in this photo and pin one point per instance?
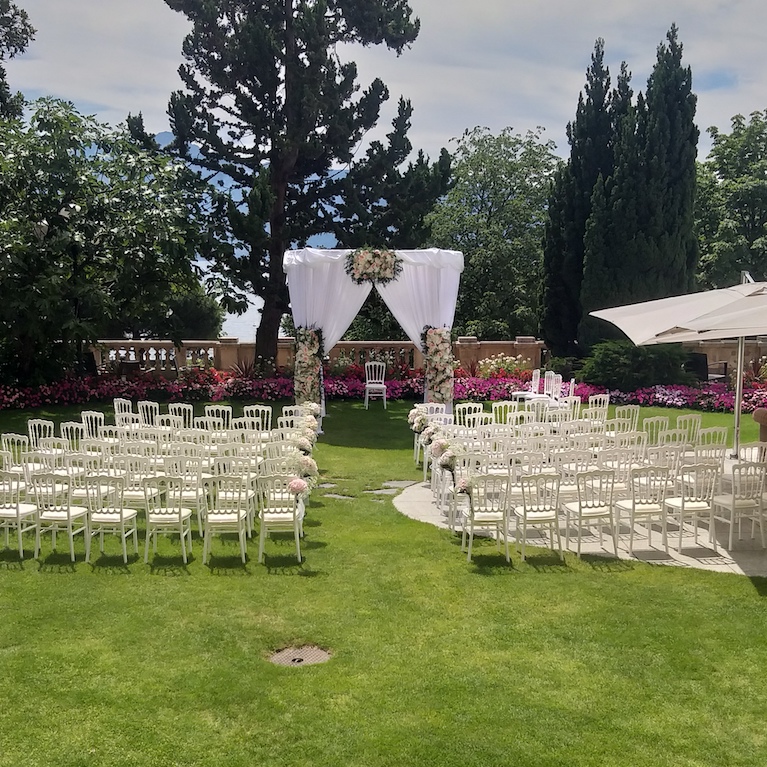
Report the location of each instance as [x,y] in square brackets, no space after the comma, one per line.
[383,491]
[399,483]
[339,497]
[327,485]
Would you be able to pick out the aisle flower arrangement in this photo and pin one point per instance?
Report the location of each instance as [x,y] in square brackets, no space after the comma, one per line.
[437,348]
[373,265]
[308,365]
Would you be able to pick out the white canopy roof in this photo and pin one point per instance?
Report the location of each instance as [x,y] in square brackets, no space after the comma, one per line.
[322,295]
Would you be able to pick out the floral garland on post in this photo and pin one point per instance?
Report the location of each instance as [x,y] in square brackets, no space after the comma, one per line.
[373,265]
[308,365]
[438,351]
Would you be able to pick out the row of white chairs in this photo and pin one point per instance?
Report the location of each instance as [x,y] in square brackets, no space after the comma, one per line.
[109,506]
[651,496]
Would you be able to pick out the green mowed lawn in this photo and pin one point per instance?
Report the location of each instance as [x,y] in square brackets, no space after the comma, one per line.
[434,661]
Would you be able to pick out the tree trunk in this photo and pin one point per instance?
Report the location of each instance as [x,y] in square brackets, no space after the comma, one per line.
[267,333]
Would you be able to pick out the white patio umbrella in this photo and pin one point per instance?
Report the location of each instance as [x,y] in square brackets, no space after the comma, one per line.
[735,312]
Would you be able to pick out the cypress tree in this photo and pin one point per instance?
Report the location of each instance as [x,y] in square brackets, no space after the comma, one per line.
[670,149]
[646,248]
[591,154]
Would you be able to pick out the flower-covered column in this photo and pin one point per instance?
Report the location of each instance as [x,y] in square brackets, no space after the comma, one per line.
[438,351]
[308,365]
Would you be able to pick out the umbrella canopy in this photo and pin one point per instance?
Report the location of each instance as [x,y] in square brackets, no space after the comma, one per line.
[734,312]
[723,313]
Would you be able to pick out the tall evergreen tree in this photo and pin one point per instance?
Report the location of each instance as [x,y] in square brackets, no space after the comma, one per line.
[641,243]
[272,108]
[591,138]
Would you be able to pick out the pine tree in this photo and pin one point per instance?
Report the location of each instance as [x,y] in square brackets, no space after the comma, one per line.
[272,108]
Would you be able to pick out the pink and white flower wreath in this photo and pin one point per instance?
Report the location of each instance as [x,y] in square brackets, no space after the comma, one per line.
[373,265]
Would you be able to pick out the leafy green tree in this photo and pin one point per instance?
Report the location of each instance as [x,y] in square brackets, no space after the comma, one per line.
[92,227]
[494,213]
[731,203]
[16,32]
[188,314]
[274,113]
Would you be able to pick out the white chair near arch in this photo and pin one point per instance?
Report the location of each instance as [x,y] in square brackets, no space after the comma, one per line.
[226,511]
[539,508]
[183,410]
[280,510]
[488,510]
[55,511]
[166,514]
[464,409]
[107,513]
[16,516]
[262,413]
[596,489]
[375,375]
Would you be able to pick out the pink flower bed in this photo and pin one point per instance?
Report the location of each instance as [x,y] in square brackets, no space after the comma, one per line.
[211,385]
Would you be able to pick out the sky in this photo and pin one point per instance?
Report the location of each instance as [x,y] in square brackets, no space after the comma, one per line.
[492,63]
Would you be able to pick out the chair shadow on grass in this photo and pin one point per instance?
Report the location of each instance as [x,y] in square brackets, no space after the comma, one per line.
[113,564]
[9,560]
[288,565]
[59,562]
[759,583]
[608,564]
[170,566]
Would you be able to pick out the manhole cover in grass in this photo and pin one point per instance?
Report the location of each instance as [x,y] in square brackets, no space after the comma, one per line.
[307,655]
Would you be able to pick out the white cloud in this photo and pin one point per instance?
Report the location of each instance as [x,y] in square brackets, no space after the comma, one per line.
[496,63]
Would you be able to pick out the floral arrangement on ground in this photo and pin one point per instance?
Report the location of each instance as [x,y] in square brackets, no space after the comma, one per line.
[213,386]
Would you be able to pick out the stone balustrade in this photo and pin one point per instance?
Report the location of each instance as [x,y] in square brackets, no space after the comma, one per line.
[165,358]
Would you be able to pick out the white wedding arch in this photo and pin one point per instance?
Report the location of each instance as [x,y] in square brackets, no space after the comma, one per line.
[324,297]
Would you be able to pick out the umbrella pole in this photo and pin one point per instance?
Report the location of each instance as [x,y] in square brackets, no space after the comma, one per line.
[738,394]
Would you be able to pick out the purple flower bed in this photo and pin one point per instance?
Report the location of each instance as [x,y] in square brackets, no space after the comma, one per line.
[210,385]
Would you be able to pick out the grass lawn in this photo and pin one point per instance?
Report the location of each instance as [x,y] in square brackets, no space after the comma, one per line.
[435,661]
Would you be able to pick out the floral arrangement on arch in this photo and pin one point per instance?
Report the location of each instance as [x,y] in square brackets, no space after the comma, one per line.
[373,265]
[437,347]
[308,364]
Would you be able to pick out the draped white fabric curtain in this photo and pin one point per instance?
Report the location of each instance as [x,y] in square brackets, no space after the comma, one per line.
[323,295]
[426,291]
